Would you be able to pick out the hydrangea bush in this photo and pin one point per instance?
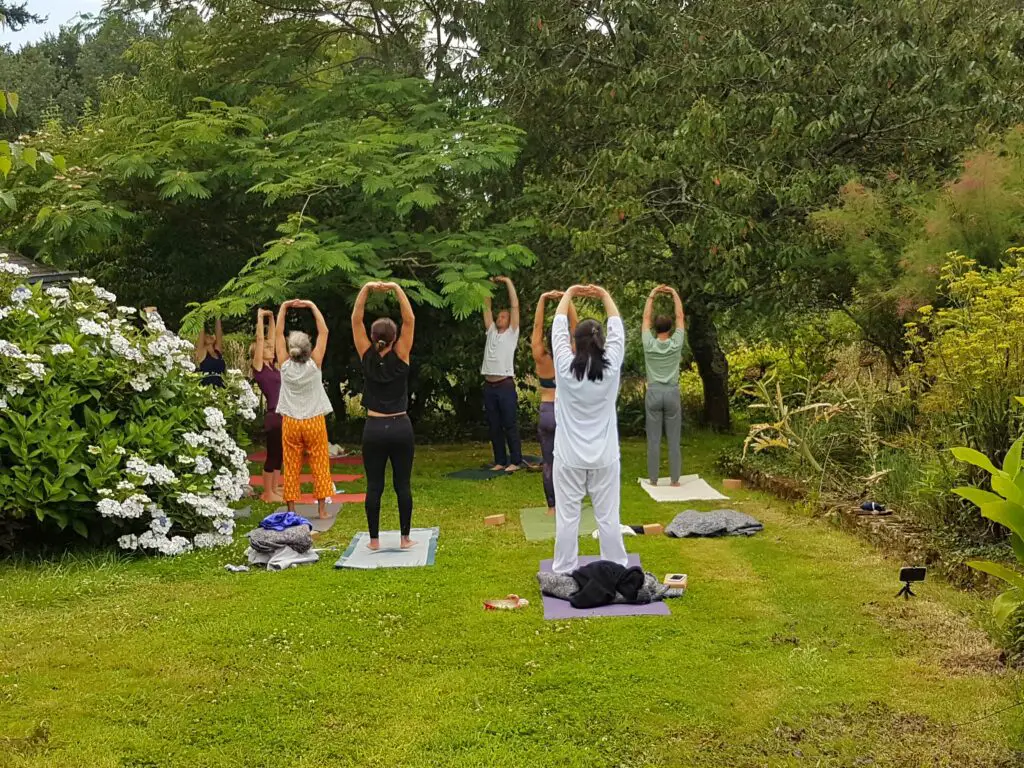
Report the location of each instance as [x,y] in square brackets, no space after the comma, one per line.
[105,427]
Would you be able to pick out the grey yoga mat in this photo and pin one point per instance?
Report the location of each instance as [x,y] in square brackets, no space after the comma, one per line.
[561,609]
[391,555]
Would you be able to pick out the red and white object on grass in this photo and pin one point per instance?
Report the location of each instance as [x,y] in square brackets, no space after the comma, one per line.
[508,603]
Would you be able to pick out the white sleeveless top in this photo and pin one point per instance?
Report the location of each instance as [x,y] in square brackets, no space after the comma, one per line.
[302,391]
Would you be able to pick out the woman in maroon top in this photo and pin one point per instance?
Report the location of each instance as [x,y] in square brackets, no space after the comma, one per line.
[267,376]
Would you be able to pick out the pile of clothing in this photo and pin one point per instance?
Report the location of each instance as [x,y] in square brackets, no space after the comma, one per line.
[605,583]
[282,540]
[719,522]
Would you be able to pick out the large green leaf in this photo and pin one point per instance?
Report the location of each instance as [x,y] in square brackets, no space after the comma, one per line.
[977,458]
[1011,464]
[1008,602]
[1010,576]
[1007,514]
[977,496]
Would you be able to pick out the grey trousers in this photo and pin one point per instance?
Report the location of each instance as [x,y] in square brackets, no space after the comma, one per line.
[664,410]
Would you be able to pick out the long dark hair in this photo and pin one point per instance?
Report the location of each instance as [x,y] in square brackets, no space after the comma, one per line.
[590,360]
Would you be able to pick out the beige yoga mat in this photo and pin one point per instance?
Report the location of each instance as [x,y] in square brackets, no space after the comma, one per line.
[691,488]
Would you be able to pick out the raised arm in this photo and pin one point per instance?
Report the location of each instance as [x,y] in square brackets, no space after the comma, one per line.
[680,315]
[218,338]
[257,355]
[574,319]
[280,345]
[403,347]
[513,302]
[561,346]
[615,338]
[488,314]
[200,351]
[537,338]
[649,310]
[321,333]
[359,337]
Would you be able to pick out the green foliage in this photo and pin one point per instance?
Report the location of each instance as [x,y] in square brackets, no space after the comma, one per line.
[1003,505]
[106,430]
[968,356]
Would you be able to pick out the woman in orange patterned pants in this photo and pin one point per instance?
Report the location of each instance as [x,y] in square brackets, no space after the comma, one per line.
[303,404]
[306,439]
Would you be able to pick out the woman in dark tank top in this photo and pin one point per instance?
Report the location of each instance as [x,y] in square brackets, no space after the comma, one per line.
[387,435]
[545,370]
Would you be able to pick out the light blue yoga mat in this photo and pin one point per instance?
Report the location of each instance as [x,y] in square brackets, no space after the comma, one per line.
[390,554]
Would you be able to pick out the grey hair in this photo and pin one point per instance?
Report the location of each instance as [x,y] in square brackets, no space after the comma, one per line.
[299,346]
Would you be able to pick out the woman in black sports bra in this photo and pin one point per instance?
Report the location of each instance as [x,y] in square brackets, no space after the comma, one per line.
[545,370]
[388,434]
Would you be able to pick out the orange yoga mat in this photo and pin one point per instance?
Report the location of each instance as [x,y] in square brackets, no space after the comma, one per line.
[257,480]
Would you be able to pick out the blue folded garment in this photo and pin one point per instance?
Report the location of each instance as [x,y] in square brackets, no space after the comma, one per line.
[281,520]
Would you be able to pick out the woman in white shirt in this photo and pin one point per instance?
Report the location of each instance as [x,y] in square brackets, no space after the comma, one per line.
[303,404]
[587,438]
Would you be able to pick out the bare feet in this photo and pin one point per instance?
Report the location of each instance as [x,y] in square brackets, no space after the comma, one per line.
[497,468]
[408,543]
[652,482]
[374,544]
[676,484]
[271,498]
[551,511]
[512,468]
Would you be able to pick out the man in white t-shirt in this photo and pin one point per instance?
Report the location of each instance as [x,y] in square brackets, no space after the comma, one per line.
[500,399]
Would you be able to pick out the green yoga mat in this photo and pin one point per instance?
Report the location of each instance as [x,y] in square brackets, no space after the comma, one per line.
[538,525]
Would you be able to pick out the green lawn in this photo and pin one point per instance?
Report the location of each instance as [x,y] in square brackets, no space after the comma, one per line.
[789,650]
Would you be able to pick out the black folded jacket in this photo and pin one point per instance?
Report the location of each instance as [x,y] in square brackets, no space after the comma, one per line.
[599,581]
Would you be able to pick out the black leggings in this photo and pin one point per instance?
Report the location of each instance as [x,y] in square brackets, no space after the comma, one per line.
[385,438]
[275,451]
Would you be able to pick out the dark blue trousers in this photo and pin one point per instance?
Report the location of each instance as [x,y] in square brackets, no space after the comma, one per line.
[501,402]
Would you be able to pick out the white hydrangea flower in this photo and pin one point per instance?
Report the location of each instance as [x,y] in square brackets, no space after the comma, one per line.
[109,508]
[15,390]
[3,403]
[211,540]
[94,450]
[214,418]
[126,310]
[91,328]
[38,370]
[140,383]
[161,475]
[195,440]
[103,316]
[11,269]
[120,450]
[203,466]
[20,295]
[7,349]
[61,349]
[125,485]
[83,281]
[59,297]
[104,295]
[129,541]
[105,492]
[185,460]
[160,525]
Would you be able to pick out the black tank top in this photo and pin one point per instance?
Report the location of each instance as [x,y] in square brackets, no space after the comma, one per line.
[387,382]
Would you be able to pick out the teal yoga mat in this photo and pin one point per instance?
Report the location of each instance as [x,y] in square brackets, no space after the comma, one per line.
[538,525]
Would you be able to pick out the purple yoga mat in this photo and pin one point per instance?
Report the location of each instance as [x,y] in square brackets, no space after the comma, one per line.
[561,609]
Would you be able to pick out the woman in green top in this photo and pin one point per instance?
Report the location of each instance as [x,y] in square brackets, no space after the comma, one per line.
[663,350]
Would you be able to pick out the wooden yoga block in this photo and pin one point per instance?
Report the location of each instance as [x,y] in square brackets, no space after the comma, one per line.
[732,484]
[654,529]
[676,580]
[494,520]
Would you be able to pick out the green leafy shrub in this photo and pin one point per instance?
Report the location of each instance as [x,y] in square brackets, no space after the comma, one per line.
[1003,505]
[968,357]
[105,428]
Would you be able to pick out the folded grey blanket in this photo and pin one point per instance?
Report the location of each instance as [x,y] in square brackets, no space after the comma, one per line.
[720,522]
[297,537]
[564,586]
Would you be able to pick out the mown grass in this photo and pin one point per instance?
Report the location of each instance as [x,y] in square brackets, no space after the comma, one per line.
[789,650]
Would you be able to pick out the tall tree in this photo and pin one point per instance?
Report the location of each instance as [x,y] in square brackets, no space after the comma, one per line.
[687,143]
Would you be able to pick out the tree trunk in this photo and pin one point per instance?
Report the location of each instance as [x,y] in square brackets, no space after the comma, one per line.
[713,368]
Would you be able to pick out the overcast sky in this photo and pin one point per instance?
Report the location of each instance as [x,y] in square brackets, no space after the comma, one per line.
[56,12]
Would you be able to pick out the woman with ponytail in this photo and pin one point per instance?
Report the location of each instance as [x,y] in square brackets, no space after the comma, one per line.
[387,435]
[303,405]
[587,438]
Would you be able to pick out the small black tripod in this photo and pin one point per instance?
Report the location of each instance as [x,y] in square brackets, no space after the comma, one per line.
[907,592]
